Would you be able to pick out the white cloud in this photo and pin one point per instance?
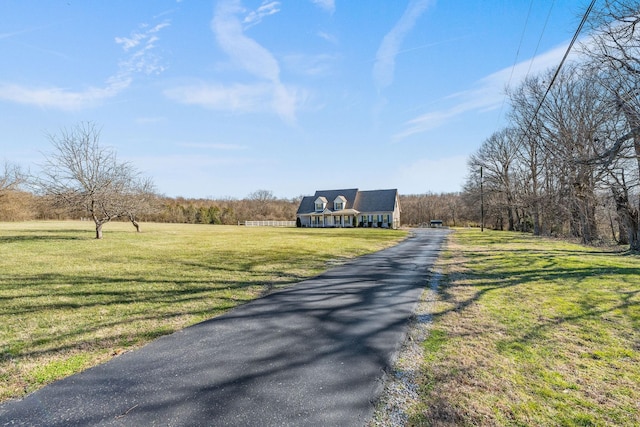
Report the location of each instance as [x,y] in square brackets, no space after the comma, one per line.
[240,98]
[328,5]
[384,66]
[60,98]
[328,37]
[159,27]
[130,42]
[237,97]
[244,51]
[487,94]
[139,36]
[285,102]
[141,59]
[310,65]
[267,94]
[267,8]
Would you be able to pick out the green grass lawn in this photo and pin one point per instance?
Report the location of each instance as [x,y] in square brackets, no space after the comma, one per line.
[68,301]
[531,331]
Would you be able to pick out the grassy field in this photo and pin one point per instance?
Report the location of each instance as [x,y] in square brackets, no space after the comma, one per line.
[530,331]
[68,301]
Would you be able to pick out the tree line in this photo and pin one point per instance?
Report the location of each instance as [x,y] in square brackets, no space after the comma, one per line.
[81,178]
[19,204]
[568,161]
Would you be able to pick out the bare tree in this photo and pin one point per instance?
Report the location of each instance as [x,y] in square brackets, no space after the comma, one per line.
[497,157]
[11,177]
[557,138]
[14,202]
[574,117]
[531,158]
[140,198]
[614,51]
[419,209]
[260,203]
[82,175]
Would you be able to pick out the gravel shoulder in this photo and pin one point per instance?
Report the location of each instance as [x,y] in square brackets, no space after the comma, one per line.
[400,391]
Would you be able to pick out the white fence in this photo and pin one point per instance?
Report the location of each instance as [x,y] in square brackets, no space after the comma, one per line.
[270,223]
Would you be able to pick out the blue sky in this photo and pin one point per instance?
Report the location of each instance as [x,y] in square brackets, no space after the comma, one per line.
[222,98]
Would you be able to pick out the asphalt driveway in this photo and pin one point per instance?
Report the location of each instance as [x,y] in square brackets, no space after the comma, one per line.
[311,355]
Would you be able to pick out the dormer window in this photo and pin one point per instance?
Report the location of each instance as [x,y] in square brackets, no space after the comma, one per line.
[321,204]
[339,203]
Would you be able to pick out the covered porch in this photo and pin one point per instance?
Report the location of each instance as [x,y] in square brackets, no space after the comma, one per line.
[339,219]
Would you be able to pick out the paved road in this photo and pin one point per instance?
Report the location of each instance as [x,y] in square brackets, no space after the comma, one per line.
[311,355]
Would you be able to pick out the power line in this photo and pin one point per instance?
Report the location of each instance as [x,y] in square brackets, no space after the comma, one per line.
[524,30]
[564,58]
[544,28]
[515,60]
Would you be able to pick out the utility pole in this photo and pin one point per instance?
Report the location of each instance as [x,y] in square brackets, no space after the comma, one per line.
[481,202]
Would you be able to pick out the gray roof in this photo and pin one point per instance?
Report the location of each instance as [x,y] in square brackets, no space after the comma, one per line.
[362,201]
[306,205]
[376,200]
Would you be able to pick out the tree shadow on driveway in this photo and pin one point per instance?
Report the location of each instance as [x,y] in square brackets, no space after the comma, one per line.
[312,354]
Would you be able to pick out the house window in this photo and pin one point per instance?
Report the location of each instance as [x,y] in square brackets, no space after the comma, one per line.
[319,207]
[339,203]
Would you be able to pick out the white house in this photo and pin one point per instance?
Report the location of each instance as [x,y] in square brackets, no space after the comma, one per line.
[350,208]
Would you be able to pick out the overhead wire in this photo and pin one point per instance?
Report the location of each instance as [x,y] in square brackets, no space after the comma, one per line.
[524,30]
[515,60]
[564,58]
[544,28]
